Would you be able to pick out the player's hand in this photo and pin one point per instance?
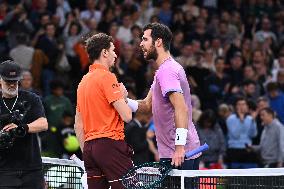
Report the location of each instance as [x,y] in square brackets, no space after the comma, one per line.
[179,155]
[9,127]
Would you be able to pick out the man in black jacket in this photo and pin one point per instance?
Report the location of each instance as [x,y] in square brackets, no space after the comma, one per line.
[135,136]
[21,117]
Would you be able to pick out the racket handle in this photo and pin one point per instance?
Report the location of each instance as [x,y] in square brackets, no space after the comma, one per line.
[79,162]
[197,150]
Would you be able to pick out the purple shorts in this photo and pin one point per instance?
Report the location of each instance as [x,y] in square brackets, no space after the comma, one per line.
[106,161]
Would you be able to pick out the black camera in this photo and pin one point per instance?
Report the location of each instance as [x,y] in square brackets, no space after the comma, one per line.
[7,138]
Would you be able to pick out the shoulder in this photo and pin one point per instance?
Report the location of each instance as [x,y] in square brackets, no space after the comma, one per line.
[232,117]
[170,67]
[28,94]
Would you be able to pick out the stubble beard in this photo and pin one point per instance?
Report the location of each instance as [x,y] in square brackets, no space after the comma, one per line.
[152,53]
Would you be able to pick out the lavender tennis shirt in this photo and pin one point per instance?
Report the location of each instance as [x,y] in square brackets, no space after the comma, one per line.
[170,77]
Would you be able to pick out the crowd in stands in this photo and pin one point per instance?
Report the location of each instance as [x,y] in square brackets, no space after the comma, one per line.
[232,51]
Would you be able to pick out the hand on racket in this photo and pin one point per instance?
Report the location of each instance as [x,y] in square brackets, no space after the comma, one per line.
[148,175]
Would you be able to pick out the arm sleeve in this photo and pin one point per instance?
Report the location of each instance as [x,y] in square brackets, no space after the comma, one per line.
[37,109]
[169,81]
[111,88]
[253,129]
[281,144]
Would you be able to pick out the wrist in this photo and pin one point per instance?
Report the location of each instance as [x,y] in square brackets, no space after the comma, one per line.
[133,104]
[26,127]
[181,136]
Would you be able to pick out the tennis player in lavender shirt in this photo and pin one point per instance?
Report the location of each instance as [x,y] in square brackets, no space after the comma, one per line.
[169,100]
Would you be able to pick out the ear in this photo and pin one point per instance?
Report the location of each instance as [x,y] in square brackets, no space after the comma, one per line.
[159,42]
[104,53]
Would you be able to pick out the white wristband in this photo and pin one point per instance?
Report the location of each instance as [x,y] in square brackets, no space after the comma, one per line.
[181,135]
[133,104]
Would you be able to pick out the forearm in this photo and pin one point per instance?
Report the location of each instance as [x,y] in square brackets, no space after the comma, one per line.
[143,106]
[79,130]
[152,146]
[181,118]
[80,136]
[38,125]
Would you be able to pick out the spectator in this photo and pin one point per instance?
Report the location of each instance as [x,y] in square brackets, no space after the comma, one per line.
[271,147]
[165,14]
[90,12]
[16,21]
[216,85]
[55,105]
[241,129]
[124,31]
[67,137]
[135,136]
[26,82]
[22,53]
[210,132]
[224,111]
[190,6]
[276,100]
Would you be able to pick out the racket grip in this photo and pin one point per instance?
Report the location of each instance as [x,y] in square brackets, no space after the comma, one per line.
[197,150]
[79,162]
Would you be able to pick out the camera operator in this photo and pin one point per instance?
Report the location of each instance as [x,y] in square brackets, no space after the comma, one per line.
[21,117]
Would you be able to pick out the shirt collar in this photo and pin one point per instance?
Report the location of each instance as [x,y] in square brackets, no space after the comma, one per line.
[97,66]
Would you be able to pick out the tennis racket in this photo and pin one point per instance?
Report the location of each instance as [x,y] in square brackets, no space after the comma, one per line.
[148,175]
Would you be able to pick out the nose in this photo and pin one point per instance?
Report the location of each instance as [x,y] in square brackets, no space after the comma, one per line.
[141,44]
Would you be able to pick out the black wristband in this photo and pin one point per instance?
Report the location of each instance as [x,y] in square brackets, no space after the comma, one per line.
[26,127]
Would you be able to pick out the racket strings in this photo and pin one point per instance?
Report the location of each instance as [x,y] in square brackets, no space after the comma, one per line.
[146,177]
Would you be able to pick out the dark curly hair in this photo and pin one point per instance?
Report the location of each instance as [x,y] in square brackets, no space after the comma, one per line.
[160,31]
[96,43]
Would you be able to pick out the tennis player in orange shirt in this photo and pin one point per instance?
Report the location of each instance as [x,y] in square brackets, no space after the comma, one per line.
[100,115]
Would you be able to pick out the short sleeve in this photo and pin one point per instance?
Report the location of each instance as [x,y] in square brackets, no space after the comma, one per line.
[37,109]
[169,81]
[111,88]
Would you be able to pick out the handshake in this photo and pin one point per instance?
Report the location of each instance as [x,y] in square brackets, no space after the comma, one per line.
[133,104]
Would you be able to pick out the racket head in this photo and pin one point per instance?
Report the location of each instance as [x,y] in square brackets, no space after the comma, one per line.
[146,175]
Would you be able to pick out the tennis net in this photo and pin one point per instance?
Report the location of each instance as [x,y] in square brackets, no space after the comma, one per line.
[62,173]
[260,178]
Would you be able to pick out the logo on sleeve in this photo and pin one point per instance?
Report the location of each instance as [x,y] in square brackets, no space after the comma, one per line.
[115,85]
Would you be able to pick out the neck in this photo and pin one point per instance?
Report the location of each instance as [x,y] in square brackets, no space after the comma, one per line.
[102,63]
[162,56]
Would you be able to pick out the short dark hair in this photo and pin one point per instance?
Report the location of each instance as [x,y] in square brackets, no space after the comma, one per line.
[248,82]
[96,43]
[160,31]
[239,98]
[207,115]
[269,111]
[219,58]
[272,86]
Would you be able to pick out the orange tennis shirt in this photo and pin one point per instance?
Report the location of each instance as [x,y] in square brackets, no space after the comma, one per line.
[95,94]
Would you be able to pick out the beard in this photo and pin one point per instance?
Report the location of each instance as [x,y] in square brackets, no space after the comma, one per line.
[10,91]
[152,53]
